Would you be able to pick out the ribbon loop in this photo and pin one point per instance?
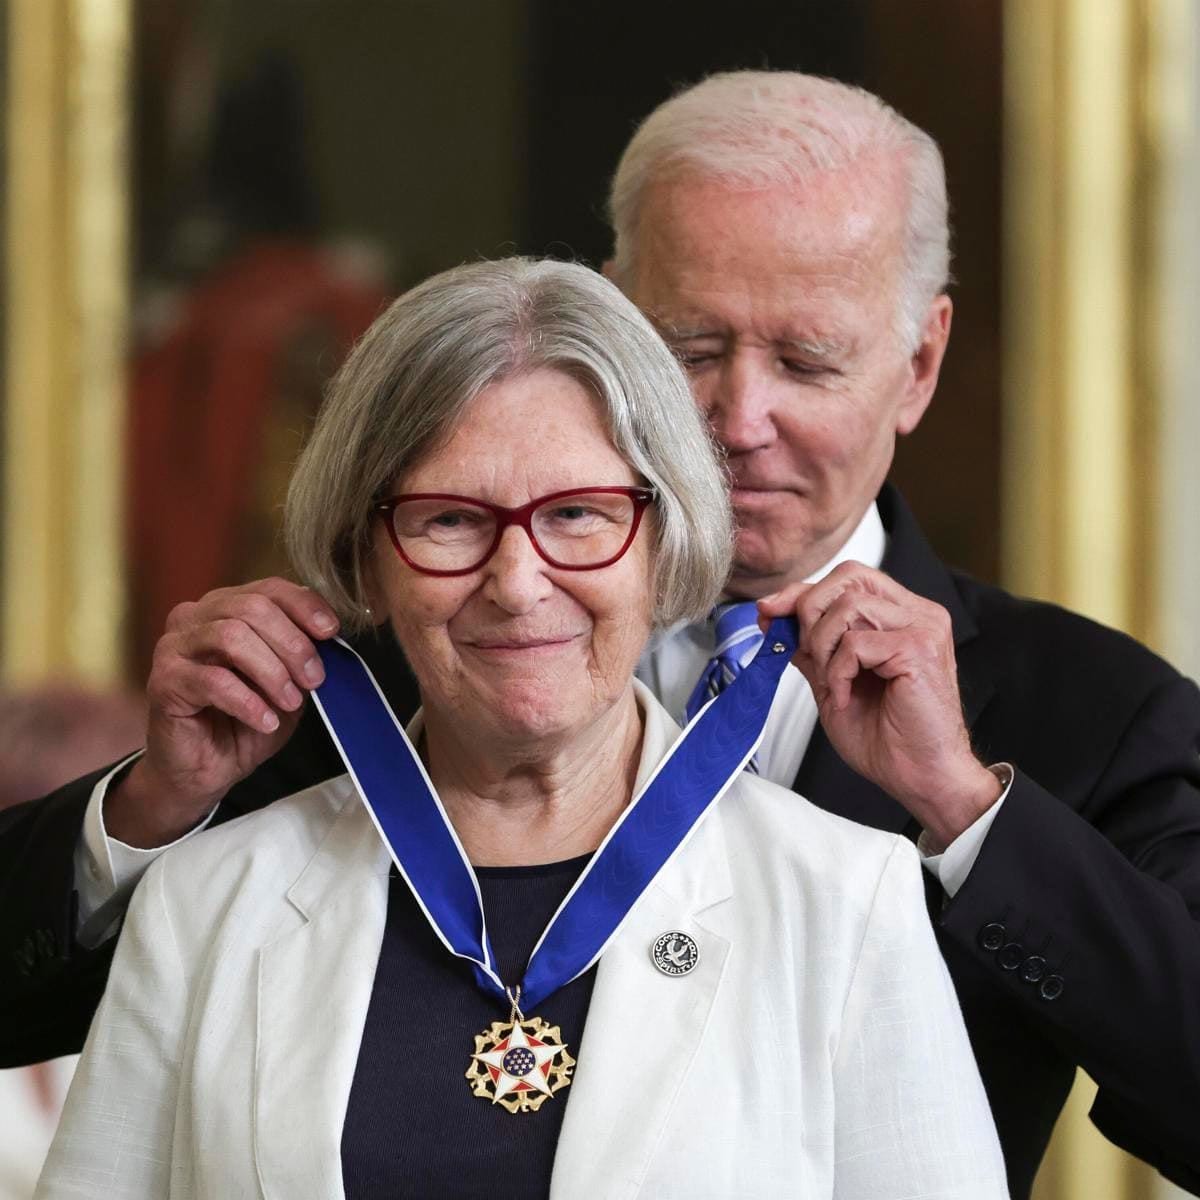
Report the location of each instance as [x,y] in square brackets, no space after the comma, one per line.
[406,810]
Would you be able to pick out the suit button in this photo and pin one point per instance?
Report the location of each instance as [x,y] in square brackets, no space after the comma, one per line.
[1052,987]
[991,937]
[1010,957]
[1033,968]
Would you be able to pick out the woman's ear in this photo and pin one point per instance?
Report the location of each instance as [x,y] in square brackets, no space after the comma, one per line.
[375,608]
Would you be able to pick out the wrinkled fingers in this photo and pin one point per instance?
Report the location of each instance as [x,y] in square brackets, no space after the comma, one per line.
[852,611]
[181,686]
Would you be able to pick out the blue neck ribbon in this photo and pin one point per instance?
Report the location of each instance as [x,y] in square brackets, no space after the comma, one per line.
[406,810]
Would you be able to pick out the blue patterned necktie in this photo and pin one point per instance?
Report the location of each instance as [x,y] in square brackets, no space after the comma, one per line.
[738,639]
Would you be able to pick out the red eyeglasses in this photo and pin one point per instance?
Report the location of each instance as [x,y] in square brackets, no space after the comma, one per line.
[581,529]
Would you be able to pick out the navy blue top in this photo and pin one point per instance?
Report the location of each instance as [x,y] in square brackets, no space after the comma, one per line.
[413,1126]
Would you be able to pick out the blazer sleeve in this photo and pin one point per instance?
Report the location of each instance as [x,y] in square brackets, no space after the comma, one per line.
[114,1139]
[50,985]
[1088,919]
[912,1118]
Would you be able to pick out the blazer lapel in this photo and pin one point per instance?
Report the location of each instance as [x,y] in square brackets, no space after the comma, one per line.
[314,987]
[643,1027]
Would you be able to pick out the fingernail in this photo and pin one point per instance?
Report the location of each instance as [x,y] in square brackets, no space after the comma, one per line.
[324,622]
[270,722]
[291,695]
[313,671]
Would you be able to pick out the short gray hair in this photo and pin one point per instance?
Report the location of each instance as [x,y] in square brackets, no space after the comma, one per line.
[413,373]
[757,128]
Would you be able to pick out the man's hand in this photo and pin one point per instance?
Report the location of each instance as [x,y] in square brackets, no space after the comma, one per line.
[880,661]
[225,692]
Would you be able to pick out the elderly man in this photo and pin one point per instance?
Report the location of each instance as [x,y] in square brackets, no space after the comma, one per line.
[788,236]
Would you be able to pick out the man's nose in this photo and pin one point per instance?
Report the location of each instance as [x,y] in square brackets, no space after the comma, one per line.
[739,405]
[516,576]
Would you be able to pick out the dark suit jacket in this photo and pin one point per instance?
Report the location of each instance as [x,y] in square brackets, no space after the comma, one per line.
[1074,941]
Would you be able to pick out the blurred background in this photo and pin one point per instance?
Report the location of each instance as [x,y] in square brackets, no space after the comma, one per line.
[206,201]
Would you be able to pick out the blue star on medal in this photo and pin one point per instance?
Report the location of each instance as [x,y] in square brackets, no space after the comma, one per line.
[520,1063]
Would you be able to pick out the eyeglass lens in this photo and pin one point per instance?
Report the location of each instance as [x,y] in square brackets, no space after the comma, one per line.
[453,535]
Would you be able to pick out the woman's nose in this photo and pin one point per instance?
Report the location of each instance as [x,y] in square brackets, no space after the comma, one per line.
[516,573]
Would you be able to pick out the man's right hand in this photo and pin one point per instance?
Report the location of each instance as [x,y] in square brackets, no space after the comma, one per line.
[226,690]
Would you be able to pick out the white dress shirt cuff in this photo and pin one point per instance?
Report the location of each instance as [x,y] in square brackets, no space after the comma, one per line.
[952,866]
[107,870]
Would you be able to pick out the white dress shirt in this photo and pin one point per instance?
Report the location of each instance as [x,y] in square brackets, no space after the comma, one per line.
[106,870]
[674,660]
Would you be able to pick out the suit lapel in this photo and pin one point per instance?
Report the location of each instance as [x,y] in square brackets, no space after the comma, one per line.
[910,561]
[630,1067]
[826,780]
[307,1045]
[823,777]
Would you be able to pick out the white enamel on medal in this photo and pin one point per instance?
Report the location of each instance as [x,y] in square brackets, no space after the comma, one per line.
[519,1064]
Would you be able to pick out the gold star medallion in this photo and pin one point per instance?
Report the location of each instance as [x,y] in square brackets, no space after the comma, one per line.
[519,1064]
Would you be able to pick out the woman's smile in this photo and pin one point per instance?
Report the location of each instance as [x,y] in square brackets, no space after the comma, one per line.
[505,647]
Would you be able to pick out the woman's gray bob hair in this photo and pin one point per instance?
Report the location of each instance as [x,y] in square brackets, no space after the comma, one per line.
[434,350]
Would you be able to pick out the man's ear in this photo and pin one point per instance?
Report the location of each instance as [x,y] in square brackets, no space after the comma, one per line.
[926,364]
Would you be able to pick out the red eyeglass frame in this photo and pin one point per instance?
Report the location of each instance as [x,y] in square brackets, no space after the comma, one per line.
[642,498]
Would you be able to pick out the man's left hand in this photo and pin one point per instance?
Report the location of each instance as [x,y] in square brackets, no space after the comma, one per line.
[880,661]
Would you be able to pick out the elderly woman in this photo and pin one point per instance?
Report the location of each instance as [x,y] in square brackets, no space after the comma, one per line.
[530,956]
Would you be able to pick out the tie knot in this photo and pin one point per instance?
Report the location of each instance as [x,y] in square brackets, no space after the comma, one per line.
[737,629]
[738,639]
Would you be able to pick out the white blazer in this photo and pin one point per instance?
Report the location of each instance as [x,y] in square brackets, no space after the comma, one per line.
[816,1050]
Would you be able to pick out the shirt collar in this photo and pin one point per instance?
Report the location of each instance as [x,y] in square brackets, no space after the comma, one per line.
[867,545]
